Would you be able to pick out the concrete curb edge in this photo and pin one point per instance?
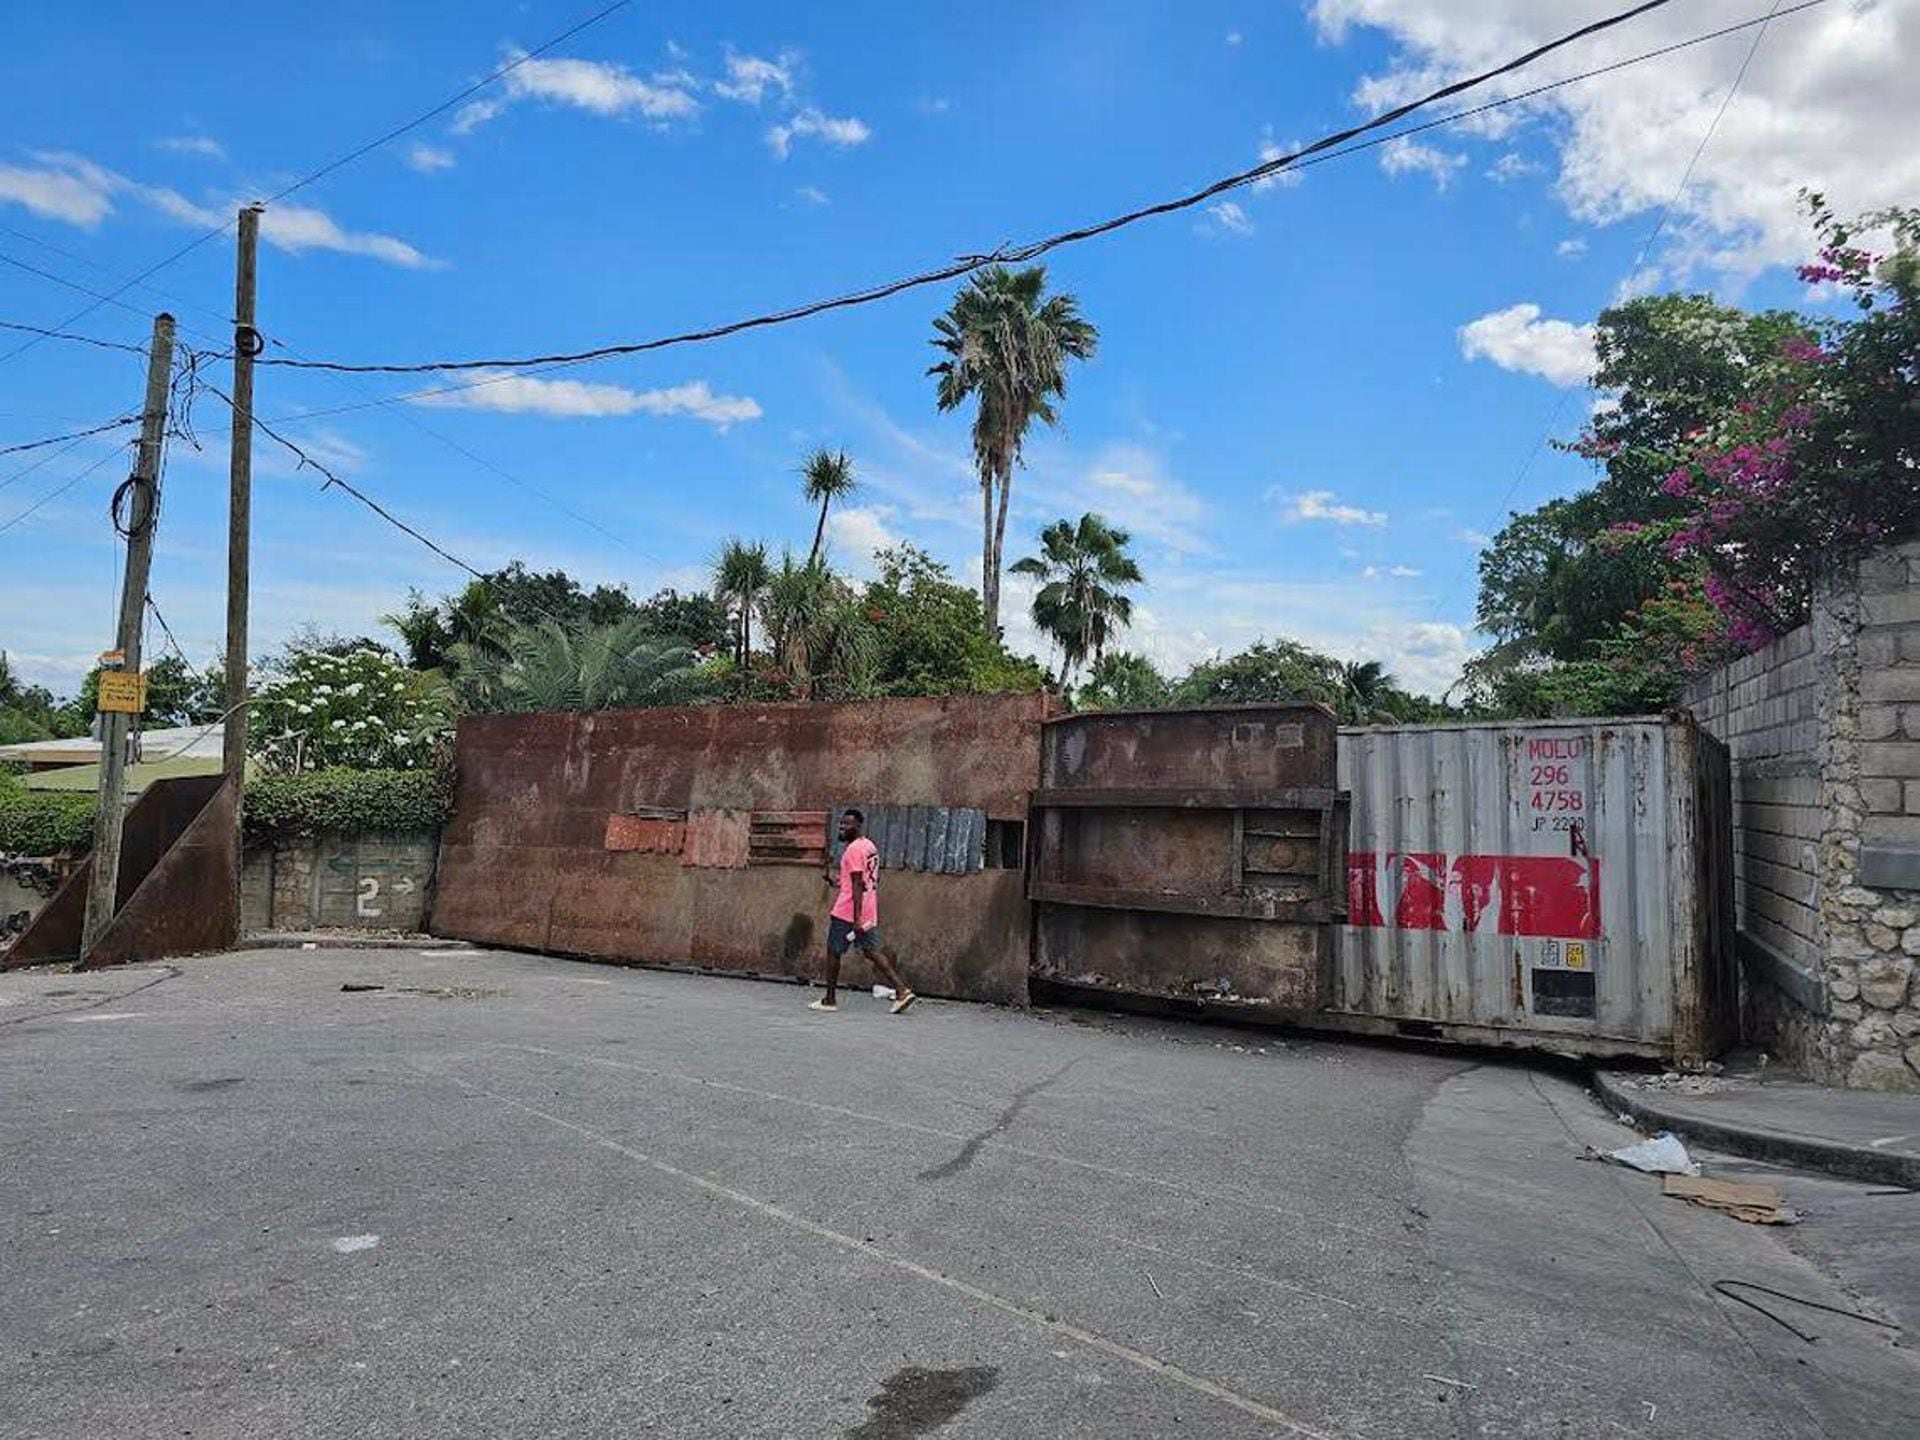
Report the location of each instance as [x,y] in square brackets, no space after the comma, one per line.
[1782,1147]
[297,940]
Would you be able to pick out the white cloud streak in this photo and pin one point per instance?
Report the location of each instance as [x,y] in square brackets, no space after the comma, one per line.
[597,86]
[1320,506]
[429,159]
[842,132]
[201,147]
[750,78]
[1410,157]
[1516,338]
[528,395]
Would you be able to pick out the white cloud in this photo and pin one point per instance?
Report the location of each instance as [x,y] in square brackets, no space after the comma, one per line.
[1510,167]
[598,86]
[1320,505]
[428,159]
[859,532]
[203,147]
[1234,37]
[842,132]
[1827,104]
[1410,157]
[527,395]
[1390,572]
[74,189]
[1516,338]
[1271,150]
[750,77]
[1571,249]
[56,192]
[933,105]
[812,194]
[1473,539]
[1229,218]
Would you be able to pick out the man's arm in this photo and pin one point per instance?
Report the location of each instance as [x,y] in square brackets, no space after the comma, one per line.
[859,896]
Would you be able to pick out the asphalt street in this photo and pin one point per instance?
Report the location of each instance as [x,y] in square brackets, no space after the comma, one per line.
[505,1195]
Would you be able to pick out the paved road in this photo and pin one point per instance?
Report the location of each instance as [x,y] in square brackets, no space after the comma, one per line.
[528,1197]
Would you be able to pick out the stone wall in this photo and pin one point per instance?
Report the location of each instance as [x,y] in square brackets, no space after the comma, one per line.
[339,882]
[1824,730]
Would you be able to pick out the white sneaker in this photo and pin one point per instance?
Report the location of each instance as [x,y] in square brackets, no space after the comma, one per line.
[823,1005]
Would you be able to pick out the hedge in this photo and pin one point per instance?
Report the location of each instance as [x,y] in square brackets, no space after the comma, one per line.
[380,802]
[366,802]
[37,822]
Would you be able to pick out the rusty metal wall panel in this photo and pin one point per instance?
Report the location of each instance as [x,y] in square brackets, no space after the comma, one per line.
[524,860]
[930,839]
[188,902]
[648,832]
[787,837]
[1542,878]
[1141,870]
[154,823]
[718,839]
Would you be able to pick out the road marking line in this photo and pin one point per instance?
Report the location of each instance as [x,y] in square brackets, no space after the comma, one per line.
[114,1015]
[1164,1369]
[1315,1223]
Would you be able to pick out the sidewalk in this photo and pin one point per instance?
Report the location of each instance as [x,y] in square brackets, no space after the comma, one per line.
[1863,1135]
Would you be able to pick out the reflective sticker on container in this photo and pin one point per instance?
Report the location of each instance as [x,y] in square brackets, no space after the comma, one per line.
[1520,895]
[1576,955]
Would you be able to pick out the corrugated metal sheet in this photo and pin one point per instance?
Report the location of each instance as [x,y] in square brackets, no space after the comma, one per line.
[648,832]
[932,839]
[717,840]
[1557,878]
[787,837]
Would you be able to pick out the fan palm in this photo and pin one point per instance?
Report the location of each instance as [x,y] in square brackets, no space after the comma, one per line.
[551,666]
[1007,345]
[1083,569]
[740,580]
[1366,692]
[827,477]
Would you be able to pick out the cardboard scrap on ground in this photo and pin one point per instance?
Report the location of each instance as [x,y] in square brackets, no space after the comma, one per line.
[1755,1204]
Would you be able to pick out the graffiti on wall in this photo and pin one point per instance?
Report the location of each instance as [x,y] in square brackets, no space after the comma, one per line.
[1519,895]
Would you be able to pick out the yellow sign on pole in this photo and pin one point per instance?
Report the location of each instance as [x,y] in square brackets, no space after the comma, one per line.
[122,692]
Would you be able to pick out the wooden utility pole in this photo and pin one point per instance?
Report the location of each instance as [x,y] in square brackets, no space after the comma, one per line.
[121,696]
[246,345]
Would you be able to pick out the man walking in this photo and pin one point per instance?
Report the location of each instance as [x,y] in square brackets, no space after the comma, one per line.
[855,919]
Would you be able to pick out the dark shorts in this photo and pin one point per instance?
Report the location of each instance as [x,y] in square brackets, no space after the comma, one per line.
[841,937]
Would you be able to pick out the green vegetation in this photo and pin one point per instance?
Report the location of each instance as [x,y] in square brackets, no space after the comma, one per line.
[38,823]
[350,802]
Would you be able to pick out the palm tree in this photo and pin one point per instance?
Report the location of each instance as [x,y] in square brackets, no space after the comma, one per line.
[828,477]
[1007,345]
[818,629]
[1366,692]
[1083,569]
[551,666]
[740,579]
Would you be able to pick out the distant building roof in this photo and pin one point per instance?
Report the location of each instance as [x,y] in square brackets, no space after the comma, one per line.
[85,779]
[195,742]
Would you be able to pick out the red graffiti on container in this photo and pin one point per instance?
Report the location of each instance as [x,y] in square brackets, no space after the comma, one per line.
[1553,896]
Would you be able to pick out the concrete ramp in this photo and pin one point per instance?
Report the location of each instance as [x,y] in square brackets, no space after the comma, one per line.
[178,882]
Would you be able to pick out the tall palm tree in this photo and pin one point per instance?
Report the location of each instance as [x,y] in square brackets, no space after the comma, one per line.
[740,580]
[1366,692]
[828,476]
[1007,345]
[1084,568]
[551,666]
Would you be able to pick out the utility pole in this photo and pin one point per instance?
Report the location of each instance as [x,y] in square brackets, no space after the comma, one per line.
[246,345]
[121,692]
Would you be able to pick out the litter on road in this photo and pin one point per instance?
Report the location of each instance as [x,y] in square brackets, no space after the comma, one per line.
[1753,1203]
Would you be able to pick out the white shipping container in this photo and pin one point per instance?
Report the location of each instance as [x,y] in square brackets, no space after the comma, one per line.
[1561,885]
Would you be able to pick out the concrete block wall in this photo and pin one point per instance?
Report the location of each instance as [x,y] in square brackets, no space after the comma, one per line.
[340,882]
[1824,731]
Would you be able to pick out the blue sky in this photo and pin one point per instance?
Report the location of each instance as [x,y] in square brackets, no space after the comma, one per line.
[1309,408]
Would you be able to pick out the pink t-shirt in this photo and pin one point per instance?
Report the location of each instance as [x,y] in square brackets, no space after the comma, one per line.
[860,855]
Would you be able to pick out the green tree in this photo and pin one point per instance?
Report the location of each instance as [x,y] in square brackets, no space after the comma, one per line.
[1122,681]
[362,710]
[1007,344]
[818,632]
[929,636]
[553,667]
[1084,570]
[827,476]
[740,575]
[1268,672]
[697,620]
[1368,695]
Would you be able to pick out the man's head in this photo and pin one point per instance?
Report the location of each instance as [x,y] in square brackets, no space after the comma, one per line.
[851,823]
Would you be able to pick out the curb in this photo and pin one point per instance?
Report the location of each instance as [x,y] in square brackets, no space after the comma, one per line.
[1782,1147]
[297,940]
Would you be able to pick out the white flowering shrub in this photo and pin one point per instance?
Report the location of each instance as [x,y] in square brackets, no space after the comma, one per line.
[362,710]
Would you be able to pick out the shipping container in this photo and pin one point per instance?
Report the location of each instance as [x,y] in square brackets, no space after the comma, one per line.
[1559,885]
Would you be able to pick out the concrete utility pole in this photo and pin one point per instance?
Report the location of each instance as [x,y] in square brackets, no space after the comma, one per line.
[246,345]
[121,696]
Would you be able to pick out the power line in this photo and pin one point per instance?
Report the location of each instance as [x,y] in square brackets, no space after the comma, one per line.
[1646,245]
[29,468]
[329,168]
[46,334]
[1004,255]
[307,461]
[167,630]
[57,492]
[101,429]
